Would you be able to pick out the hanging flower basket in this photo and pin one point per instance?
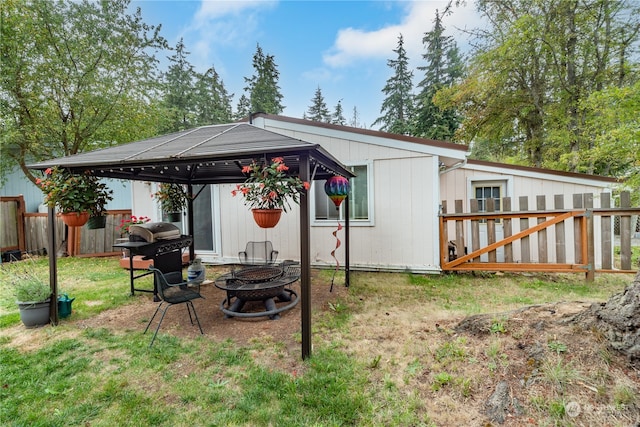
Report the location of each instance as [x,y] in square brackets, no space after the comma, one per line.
[268,190]
[266,218]
[75,219]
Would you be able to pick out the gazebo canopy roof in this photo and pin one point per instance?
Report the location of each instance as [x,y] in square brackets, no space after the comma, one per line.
[205,155]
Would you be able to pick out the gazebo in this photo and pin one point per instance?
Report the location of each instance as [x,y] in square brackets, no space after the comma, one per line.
[211,155]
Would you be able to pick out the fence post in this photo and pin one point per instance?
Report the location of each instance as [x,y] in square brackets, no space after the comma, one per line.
[606,233]
[577,230]
[459,230]
[561,250]
[591,258]
[507,231]
[541,205]
[625,232]
[525,246]
[475,229]
[491,229]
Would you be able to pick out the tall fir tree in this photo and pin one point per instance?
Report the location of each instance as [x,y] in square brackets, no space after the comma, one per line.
[397,108]
[337,118]
[212,102]
[443,68]
[318,111]
[355,119]
[243,108]
[262,87]
[179,81]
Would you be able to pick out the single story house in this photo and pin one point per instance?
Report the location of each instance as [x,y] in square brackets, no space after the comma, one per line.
[395,200]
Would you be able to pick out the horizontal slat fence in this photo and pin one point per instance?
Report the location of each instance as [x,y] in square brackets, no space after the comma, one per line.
[552,240]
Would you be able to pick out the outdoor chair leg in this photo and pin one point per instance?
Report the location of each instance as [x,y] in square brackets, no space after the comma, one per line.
[159,323]
[152,317]
[195,315]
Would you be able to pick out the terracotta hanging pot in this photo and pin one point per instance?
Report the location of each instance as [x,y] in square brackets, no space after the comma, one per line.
[266,218]
[75,219]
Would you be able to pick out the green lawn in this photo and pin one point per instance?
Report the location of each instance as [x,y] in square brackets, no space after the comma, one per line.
[79,376]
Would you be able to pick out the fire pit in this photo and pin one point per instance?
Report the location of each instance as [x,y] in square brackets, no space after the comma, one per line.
[259,283]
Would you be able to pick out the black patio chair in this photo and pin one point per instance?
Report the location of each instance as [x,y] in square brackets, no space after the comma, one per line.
[258,253]
[173,290]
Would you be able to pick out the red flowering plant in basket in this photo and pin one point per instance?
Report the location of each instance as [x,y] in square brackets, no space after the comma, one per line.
[269,187]
[74,193]
[126,222]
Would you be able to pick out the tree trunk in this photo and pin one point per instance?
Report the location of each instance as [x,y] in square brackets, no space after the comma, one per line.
[618,320]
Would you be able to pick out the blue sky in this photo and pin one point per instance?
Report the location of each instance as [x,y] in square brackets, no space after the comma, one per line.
[340,46]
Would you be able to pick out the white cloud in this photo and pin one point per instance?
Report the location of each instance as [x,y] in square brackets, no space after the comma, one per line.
[353,45]
[228,23]
[213,9]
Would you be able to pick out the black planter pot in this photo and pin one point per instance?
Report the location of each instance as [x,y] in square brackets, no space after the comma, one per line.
[34,314]
[96,222]
[173,216]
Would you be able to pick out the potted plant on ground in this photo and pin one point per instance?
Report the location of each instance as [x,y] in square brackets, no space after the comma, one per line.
[173,199]
[33,297]
[76,196]
[268,190]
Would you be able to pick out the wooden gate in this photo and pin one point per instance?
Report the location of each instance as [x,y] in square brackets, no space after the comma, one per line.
[591,230]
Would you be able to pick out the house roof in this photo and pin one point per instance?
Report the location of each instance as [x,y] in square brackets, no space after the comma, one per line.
[478,164]
[204,155]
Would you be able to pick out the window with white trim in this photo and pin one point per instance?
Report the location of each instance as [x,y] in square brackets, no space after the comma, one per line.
[483,191]
[359,198]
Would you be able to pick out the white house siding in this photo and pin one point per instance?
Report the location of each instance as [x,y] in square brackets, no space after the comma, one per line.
[457,184]
[403,233]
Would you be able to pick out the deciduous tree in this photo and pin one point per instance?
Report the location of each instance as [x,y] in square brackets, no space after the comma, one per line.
[75,76]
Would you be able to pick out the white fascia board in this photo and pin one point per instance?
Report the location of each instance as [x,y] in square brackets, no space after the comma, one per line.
[540,175]
[367,139]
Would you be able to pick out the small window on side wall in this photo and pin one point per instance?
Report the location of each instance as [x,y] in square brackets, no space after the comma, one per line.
[359,198]
[484,191]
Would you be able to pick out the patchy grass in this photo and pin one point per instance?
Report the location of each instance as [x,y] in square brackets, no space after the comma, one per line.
[386,353]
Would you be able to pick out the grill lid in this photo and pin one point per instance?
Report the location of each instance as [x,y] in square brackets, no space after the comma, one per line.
[154,231]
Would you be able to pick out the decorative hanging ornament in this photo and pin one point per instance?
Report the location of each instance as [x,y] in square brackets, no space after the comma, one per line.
[337,188]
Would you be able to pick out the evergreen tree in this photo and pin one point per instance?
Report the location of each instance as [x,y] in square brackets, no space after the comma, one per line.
[338,116]
[318,111]
[397,108]
[179,81]
[443,69]
[243,109]
[355,119]
[212,103]
[263,89]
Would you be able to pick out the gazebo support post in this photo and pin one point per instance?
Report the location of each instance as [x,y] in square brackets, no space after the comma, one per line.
[53,267]
[305,260]
[190,228]
[346,242]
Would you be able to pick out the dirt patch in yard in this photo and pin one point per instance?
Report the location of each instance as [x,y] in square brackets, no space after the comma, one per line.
[527,367]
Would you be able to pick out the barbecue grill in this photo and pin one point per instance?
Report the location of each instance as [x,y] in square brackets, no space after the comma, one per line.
[160,242]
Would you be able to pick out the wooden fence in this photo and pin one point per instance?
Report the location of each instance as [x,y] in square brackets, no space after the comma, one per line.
[580,239]
[28,232]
